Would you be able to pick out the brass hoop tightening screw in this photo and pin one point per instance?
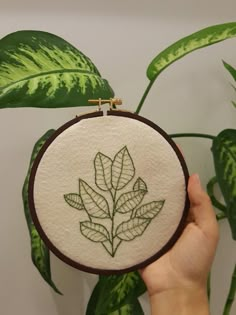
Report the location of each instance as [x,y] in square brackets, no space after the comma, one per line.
[111,101]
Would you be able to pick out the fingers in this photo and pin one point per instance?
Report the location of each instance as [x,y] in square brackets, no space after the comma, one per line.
[201,208]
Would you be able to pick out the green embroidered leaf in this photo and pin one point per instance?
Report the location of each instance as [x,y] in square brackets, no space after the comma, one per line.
[122,169]
[102,165]
[94,203]
[224,153]
[129,201]
[123,289]
[140,185]
[39,69]
[132,228]
[39,251]
[150,210]
[184,46]
[94,232]
[74,200]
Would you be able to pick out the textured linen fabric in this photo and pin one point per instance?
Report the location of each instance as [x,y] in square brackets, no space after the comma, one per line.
[70,157]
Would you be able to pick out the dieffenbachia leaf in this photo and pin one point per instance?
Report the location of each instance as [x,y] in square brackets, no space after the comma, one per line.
[224,153]
[129,201]
[74,200]
[94,232]
[140,184]
[102,164]
[132,228]
[184,46]
[123,289]
[39,252]
[232,71]
[149,210]
[122,169]
[132,308]
[39,69]
[94,203]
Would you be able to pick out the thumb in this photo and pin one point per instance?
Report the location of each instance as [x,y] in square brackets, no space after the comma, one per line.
[200,206]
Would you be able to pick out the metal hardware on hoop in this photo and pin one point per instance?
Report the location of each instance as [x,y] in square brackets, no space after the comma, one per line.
[112,102]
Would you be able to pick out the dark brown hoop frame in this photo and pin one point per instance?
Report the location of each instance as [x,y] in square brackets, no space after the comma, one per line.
[40,230]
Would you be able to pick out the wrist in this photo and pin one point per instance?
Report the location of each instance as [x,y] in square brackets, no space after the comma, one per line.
[181,301]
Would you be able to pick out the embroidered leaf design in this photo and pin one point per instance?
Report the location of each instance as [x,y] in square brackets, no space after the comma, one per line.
[129,201]
[122,169]
[132,228]
[74,200]
[94,232]
[140,185]
[102,165]
[94,203]
[149,210]
[39,69]
[39,252]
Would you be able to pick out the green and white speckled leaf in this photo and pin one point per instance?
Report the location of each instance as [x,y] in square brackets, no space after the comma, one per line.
[39,252]
[184,46]
[123,289]
[39,69]
[224,153]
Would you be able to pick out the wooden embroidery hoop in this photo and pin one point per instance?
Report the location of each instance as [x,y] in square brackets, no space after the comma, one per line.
[78,119]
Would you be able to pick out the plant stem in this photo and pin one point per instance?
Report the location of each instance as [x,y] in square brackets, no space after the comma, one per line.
[220,216]
[190,135]
[231,294]
[144,97]
[210,191]
[112,223]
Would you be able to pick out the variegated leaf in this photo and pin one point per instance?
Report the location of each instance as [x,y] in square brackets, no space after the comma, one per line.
[129,201]
[140,184]
[132,228]
[122,289]
[94,232]
[224,153]
[94,203]
[74,200]
[39,69]
[102,165]
[123,169]
[39,252]
[184,46]
[149,210]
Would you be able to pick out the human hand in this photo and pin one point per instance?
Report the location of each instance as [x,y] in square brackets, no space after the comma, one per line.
[181,273]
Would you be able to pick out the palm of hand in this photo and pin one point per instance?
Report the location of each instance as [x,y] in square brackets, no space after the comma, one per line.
[188,262]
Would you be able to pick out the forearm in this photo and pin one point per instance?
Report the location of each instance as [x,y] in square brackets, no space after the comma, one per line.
[180,302]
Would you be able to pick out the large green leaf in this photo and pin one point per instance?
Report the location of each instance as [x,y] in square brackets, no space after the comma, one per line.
[39,251]
[39,69]
[224,153]
[123,289]
[184,46]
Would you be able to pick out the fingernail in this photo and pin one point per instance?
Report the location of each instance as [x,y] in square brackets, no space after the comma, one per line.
[197,180]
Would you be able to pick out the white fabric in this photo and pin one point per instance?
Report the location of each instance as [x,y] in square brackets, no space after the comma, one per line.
[71,156]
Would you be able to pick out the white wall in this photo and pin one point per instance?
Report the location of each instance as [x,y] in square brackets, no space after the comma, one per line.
[192,95]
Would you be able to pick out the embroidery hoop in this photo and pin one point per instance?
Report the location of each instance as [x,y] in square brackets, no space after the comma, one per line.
[38,225]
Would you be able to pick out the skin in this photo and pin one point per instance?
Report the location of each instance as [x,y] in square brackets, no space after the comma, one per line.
[177,282]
